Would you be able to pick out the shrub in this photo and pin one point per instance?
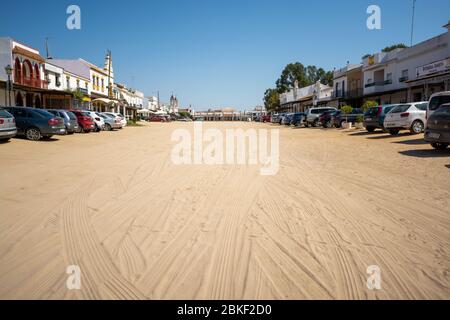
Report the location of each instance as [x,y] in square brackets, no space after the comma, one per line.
[346,109]
[360,119]
[368,104]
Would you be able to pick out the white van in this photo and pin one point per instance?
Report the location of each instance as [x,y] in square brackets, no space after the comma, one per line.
[436,101]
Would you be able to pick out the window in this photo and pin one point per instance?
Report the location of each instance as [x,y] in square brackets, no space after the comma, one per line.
[57,80]
[389,78]
[422,106]
[369,81]
[78,83]
[85,85]
[68,82]
[405,73]
[401,108]
[103,84]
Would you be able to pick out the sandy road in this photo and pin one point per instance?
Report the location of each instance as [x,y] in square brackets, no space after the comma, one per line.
[140,227]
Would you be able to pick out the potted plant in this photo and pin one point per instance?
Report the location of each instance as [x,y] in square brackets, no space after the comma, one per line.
[346,110]
[359,122]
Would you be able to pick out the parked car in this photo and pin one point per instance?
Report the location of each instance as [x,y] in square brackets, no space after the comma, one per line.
[438,128]
[36,124]
[409,116]
[313,115]
[298,119]
[327,119]
[287,119]
[157,118]
[374,117]
[8,127]
[70,120]
[266,118]
[340,118]
[280,117]
[436,100]
[275,118]
[84,119]
[99,122]
[123,120]
[111,122]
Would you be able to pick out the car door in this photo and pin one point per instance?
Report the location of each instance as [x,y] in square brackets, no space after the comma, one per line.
[21,119]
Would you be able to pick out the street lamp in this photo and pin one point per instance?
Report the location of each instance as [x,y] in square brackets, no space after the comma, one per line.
[9,71]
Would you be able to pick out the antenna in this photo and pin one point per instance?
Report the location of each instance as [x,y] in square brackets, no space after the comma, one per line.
[46,49]
[412,22]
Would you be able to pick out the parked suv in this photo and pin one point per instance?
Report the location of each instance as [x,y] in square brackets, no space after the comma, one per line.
[313,114]
[36,124]
[437,100]
[85,121]
[410,116]
[8,127]
[70,120]
[374,117]
[438,128]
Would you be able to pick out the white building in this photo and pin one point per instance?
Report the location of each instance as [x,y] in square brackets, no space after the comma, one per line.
[300,99]
[410,74]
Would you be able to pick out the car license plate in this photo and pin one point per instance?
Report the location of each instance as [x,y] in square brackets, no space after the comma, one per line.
[390,124]
[368,119]
[7,133]
[434,135]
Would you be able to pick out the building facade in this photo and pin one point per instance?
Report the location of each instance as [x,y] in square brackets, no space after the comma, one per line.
[410,74]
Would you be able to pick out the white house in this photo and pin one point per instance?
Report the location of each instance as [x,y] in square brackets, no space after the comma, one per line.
[410,74]
[300,99]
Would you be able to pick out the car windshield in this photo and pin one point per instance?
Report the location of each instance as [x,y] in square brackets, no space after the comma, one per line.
[71,115]
[42,113]
[5,114]
[400,109]
[86,114]
[436,102]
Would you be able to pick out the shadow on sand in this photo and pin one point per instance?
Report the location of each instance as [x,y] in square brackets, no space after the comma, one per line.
[419,141]
[427,153]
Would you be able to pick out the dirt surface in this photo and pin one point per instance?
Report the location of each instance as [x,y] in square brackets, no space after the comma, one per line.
[139,226]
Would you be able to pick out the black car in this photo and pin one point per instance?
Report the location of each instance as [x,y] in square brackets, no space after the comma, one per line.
[438,128]
[298,119]
[36,124]
[327,119]
[352,117]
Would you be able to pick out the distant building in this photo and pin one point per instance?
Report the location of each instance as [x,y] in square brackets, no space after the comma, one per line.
[300,99]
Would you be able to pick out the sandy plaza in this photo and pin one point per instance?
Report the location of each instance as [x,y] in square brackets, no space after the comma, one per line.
[140,227]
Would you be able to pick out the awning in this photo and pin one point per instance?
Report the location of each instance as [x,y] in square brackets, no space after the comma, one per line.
[105,101]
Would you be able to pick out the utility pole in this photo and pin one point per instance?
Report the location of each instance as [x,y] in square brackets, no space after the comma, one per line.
[110,95]
[412,23]
[158,101]
[46,49]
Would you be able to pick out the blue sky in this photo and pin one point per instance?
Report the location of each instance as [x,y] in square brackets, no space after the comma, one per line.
[217,52]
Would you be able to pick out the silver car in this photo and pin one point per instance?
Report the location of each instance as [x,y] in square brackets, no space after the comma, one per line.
[111,122]
[313,115]
[8,127]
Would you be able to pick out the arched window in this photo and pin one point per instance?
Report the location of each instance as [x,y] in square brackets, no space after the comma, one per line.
[37,71]
[17,71]
[19,100]
[27,69]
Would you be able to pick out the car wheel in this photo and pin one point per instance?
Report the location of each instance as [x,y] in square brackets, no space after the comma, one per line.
[439,146]
[108,127]
[417,127]
[394,132]
[369,129]
[316,123]
[33,134]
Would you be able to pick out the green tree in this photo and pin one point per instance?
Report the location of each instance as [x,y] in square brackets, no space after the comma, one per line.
[347,109]
[291,73]
[368,104]
[395,46]
[272,100]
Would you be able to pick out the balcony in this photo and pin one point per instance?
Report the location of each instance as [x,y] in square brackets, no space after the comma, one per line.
[355,93]
[403,79]
[31,82]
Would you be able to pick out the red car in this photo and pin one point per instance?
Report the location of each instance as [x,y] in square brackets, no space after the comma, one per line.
[84,120]
[156,118]
[266,118]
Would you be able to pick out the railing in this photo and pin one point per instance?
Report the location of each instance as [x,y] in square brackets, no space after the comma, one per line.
[31,82]
[373,84]
[355,93]
[403,79]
